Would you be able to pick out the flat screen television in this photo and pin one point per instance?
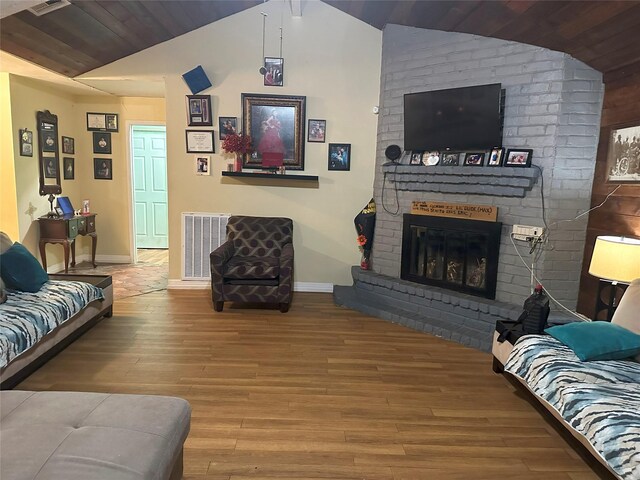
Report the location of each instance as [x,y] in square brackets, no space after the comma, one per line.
[453,119]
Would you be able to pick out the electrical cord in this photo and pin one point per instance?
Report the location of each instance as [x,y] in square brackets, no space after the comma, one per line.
[384,181]
[575,314]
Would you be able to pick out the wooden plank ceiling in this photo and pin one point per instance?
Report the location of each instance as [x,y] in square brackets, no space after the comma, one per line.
[92,33]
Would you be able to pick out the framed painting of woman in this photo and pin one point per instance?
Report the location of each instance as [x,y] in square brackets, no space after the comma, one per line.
[276,125]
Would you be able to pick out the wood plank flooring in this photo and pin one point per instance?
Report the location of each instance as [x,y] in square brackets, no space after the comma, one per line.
[321,392]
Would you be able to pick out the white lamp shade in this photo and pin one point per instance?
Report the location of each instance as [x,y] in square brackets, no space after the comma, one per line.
[616,259]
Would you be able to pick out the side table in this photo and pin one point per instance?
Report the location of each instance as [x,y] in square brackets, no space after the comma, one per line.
[64,230]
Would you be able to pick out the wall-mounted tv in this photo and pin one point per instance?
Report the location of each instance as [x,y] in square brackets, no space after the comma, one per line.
[455,119]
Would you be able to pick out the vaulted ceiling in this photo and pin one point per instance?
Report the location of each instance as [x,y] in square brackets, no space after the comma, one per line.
[91,33]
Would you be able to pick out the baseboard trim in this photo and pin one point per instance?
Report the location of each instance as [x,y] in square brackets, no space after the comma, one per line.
[176,284]
[307,287]
[112,258]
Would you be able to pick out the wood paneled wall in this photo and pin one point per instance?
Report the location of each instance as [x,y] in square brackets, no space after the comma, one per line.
[620,215]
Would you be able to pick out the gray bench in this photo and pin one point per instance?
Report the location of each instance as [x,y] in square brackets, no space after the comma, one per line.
[85,436]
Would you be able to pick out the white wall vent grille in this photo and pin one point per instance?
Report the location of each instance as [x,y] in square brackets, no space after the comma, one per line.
[202,233]
[48,7]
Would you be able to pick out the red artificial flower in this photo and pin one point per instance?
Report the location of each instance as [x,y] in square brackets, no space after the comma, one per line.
[237,143]
[361,240]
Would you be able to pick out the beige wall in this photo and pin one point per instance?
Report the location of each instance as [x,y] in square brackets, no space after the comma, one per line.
[109,199]
[27,98]
[331,58]
[8,201]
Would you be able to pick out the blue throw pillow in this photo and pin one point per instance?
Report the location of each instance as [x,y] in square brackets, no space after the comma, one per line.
[597,340]
[21,271]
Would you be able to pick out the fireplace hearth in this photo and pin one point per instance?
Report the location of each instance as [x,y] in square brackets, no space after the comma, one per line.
[452,253]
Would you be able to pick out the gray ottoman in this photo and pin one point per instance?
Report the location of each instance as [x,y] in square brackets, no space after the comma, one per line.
[85,436]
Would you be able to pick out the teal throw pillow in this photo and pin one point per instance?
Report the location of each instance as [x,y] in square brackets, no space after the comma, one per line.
[20,270]
[597,340]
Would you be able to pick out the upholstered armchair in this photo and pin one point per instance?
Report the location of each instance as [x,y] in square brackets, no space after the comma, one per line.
[255,264]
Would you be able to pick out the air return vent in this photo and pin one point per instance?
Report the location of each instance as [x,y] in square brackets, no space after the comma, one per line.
[48,7]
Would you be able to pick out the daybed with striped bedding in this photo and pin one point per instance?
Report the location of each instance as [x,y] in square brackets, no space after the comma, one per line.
[32,324]
[598,400]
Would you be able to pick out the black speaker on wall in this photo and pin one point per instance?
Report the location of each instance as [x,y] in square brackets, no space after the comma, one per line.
[197,80]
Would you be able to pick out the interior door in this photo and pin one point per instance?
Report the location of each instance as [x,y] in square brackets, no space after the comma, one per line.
[150,186]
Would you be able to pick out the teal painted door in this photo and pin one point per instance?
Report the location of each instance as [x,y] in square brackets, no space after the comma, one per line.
[150,186]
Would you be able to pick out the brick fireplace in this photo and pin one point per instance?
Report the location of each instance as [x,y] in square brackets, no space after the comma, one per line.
[552,105]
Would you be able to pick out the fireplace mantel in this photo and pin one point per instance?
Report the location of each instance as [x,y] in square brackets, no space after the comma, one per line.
[493,181]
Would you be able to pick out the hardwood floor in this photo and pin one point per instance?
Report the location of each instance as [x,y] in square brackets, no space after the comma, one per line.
[318,393]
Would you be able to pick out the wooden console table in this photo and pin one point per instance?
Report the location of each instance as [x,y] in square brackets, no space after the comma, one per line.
[64,230]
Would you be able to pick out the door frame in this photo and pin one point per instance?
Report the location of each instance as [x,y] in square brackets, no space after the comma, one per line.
[133,252]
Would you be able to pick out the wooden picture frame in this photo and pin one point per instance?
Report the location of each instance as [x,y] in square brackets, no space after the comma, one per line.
[25,137]
[495,157]
[68,168]
[102,169]
[518,157]
[199,111]
[474,159]
[339,157]
[274,72]
[200,141]
[317,131]
[68,145]
[102,142]
[623,153]
[275,124]
[227,126]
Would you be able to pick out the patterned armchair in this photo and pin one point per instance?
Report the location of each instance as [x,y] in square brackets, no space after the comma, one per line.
[255,264]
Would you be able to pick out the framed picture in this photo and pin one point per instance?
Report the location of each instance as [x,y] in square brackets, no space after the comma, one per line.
[68,145]
[274,75]
[317,131]
[50,167]
[340,156]
[68,168]
[203,163]
[102,169]
[416,158]
[111,120]
[518,157]
[228,126]
[431,158]
[59,211]
[102,122]
[200,141]
[199,110]
[623,154]
[48,137]
[26,142]
[473,159]
[85,207]
[101,142]
[495,157]
[450,159]
[275,124]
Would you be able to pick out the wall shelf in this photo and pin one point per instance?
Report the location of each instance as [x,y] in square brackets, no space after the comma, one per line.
[493,181]
[271,176]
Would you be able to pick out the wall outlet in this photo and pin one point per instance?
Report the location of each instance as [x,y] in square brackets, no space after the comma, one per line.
[526,233]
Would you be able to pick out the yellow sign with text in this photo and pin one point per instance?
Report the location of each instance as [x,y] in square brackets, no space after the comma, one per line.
[487,213]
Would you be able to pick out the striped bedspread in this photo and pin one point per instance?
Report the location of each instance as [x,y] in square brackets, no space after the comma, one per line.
[27,317]
[600,400]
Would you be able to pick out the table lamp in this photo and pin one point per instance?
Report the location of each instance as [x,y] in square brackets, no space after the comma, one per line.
[616,262]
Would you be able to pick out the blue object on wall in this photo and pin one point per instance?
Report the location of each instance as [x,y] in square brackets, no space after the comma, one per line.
[197,80]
